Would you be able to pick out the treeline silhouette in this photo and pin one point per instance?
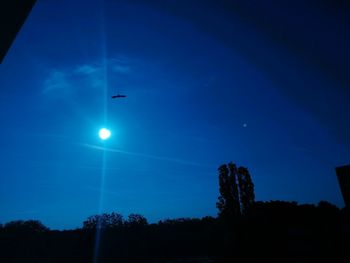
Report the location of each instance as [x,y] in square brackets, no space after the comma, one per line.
[275,230]
[245,230]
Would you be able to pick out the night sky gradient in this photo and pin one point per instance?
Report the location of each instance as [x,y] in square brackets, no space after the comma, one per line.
[264,84]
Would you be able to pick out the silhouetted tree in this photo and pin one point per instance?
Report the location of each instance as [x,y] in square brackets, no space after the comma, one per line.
[25,226]
[328,212]
[236,191]
[136,220]
[116,220]
[208,219]
[105,220]
[91,222]
[246,189]
[328,207]
[228,203]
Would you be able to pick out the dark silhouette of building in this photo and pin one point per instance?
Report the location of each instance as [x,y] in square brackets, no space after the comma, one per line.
[13,14]
[343,174]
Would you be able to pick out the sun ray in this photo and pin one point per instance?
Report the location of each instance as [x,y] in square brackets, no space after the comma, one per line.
[104,132]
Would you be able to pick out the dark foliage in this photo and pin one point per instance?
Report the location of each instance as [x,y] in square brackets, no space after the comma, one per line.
[136,220]
[236,191]
[228,203]
[246,189]
[113,220]
[29,226]
[275,231]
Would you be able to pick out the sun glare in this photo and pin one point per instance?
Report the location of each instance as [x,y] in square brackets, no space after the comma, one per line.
[104,133]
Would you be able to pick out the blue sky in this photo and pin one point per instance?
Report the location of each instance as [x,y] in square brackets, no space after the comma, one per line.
[206,84]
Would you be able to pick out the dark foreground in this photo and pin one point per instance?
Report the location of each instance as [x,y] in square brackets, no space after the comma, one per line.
[272,233]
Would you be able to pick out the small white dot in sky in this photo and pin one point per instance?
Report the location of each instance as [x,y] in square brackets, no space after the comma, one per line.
[245,125]
[104,133]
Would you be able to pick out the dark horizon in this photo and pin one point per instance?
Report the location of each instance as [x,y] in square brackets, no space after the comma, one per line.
[262,84]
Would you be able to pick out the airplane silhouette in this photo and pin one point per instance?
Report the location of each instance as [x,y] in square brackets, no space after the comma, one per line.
[118,96]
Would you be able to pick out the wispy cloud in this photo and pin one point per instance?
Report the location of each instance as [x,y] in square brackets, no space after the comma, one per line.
[55,81]
[143,155]
[121,69]
[87,69]
[92,74]
[115,65]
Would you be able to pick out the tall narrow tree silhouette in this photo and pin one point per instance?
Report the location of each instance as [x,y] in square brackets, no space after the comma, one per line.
[236,191]
[228,203]
[246,189]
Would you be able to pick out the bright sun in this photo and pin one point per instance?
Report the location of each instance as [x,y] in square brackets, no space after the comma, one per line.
[104,133]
